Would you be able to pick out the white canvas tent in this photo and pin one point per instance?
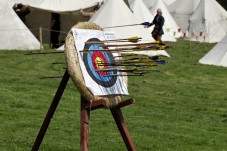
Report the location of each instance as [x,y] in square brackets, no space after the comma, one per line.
[206,23]
[170,23]
[116,13]
[218,55]
[182,10]
[143,14]
[14,35]
[40,15]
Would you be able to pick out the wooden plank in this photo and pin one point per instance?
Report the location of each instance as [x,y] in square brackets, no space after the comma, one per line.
[51,111]
[118,117]
[84,125]
[125,103]
[96,105]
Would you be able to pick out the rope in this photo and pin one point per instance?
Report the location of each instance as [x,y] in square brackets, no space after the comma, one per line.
[45,29]
[19,29]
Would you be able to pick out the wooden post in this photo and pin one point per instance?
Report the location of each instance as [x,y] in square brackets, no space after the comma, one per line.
[84,125]
[118,117]
[41,38]
[51,111]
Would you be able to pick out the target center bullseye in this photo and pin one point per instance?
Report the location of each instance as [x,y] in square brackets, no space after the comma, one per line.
[99,63]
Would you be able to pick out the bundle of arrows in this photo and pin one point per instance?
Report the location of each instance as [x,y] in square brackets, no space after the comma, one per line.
[131,56]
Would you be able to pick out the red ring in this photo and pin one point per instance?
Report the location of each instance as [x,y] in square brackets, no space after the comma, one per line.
[95,55]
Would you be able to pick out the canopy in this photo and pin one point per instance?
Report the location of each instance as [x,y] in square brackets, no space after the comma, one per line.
[60,6]
[40,15]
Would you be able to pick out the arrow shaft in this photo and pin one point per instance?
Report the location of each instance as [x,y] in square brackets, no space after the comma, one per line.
[137,44]
[118,50]
[121,26]
[124,75]
[43,53]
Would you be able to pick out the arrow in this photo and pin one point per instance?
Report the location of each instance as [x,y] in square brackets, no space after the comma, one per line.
[51,77]
[128,65]
[43,53]
[123,75]
[121,26]
[131,44]
[128,70]
[124,55]
[122,49]
[130,39]
[144,24]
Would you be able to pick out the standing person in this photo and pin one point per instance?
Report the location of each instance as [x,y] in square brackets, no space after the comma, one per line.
[55,30]
[158,22]
[21,10]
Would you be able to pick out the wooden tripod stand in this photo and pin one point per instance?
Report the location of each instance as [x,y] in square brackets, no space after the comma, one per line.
[86,107]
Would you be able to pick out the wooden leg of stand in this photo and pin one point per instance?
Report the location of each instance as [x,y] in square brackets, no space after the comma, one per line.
[51,111]
[84,125]
[118,117]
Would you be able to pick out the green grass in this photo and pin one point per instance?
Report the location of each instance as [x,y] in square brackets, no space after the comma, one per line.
[182,108]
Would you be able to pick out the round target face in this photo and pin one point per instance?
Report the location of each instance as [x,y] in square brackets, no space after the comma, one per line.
[97,60]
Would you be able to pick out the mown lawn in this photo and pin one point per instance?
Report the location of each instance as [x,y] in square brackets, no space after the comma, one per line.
[182,108]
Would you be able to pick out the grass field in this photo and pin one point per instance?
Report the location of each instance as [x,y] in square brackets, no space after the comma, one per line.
[182,108]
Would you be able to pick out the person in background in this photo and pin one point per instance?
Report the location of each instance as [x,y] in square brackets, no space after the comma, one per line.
[55,30]
[158,23]
[21,10]
[89,14]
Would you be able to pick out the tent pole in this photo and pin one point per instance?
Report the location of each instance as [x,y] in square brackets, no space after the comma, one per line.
[41,38]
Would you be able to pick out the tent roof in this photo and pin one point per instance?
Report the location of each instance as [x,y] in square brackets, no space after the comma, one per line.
[208,10]
[184,7]
[140,10]
[217,55]
[117,13]
[208,19]
[143,14]
[60,5]
[14,35]
[150,3]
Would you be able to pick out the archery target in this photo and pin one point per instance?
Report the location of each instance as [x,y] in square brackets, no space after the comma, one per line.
[97,60]
[92,60]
